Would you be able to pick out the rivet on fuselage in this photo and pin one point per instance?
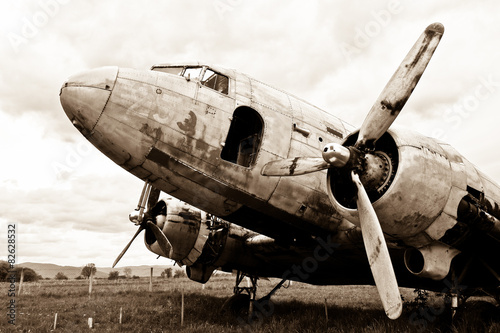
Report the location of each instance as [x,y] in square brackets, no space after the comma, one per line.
[158,91]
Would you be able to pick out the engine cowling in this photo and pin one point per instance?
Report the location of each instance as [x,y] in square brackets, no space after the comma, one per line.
[411,181]
[187,230]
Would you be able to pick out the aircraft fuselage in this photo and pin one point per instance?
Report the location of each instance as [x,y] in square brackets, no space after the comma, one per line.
[207,146]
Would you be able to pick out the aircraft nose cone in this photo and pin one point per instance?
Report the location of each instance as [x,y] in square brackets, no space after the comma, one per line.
[84,96]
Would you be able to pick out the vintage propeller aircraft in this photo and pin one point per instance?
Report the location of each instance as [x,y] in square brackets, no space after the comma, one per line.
[382,205]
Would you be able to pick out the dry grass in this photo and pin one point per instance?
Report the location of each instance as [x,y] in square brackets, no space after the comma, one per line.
[300,308]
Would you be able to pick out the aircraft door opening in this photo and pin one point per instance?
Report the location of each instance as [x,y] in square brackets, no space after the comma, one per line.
[244,137]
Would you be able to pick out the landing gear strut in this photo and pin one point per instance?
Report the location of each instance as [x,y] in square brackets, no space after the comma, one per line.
[275,289]
[250,290]
[486,310]
[243,301]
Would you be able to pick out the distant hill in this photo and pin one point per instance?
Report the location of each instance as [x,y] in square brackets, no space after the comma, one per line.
[50,270]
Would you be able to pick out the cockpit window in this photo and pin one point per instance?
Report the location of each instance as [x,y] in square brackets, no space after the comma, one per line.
[170,70]
[215,81]
[192,72]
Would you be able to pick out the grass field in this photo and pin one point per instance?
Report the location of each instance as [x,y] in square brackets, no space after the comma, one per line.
[299,308]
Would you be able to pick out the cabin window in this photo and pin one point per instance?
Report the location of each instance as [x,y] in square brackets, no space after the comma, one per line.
[215,81]
[244,137]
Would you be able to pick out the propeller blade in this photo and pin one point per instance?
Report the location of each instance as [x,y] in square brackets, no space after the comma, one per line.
[294,166]
[378,254]
[400,86]
[163,242]
[141,228]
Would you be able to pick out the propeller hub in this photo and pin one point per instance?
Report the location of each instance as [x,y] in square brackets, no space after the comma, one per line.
[135,217]
[336,155]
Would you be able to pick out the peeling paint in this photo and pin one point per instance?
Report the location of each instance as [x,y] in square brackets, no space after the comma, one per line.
[189,124]
[376,252]
[155,133]
[293,166]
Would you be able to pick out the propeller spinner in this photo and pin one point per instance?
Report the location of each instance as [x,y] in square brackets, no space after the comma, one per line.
[361,159]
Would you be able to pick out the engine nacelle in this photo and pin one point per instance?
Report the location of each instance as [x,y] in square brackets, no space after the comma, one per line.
[413,182]
[187,230]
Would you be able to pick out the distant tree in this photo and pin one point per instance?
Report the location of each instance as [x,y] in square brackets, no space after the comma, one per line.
[113,275]
[179,273]
[167,273]
[128,272]
[4,270]
[79,277]
[29,274]
[88,270]
[61,276]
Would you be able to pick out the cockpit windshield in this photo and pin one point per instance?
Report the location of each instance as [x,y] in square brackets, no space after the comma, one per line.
[210,79]
[215,81]
[177,70]
[192,72]
[186,71]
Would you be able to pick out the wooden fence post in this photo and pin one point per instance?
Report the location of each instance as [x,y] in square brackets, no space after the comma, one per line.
[151,280]
[326,312]
[182,307]
[91,278]
[21,280]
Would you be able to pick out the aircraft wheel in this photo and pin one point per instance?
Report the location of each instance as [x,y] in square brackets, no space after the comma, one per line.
[477,314]
[237,305]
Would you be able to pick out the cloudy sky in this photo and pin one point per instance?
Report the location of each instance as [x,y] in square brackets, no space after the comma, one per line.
[71,204]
